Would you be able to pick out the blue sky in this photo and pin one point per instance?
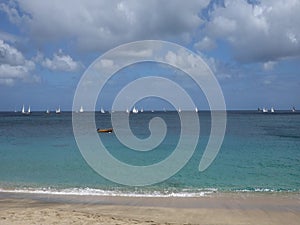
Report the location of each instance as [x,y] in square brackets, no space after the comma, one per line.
[253,47]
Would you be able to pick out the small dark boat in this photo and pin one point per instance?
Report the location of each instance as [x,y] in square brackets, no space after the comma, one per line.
[108,130]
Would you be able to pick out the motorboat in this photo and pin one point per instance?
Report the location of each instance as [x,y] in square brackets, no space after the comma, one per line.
[107,130]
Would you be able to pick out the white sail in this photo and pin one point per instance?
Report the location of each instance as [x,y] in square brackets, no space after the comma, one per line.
[127,110]
[265,110]
[29,111]
[57,111]
[47,111]
[23,109]
[102,110]
[179,109]
[272,110]
[81,109]
[196,109]
[135,110]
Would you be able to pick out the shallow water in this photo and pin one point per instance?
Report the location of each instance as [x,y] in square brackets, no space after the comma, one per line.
[260,152]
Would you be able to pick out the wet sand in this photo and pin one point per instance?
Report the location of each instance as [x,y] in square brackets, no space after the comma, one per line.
[218,209]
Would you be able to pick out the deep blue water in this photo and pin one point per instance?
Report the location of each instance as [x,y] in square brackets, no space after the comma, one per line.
[260,152]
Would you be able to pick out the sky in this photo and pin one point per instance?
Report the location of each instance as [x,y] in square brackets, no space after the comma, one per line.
[252,47]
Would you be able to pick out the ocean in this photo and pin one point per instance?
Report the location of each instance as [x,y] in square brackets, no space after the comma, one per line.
[260,153]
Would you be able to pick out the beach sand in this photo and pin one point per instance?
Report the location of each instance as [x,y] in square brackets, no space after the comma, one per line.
[218,209]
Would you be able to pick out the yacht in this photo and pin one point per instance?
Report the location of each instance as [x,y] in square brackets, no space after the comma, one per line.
[58,111]
[81,109]
[135,110]
[24,112]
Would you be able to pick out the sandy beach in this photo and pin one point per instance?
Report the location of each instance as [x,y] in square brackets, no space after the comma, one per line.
[219,209]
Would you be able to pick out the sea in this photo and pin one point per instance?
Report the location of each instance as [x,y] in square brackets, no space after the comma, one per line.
[260,153]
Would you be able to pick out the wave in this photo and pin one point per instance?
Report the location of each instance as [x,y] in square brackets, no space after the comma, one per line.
[138,193]
[262,190]
[121,193]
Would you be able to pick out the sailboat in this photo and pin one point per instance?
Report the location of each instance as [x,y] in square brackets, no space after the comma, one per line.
[102,110]
[23,110]
[293,109]
[127,110]
[179,109]
[57,111]
[81,109]
[47,111]
[142,110]
[196,109]
[134,110]
[265,110]
[272,110]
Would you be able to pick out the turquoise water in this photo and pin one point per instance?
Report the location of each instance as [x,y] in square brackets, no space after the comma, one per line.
[260,152]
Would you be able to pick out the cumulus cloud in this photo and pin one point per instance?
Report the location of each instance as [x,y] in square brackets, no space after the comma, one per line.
[99,24]
[10,55]
[257,31]
[60,62]
[14,66]
[186,62]
[262,32]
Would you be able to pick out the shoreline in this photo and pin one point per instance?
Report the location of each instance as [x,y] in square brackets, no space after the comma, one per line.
[219,208]
[187,193]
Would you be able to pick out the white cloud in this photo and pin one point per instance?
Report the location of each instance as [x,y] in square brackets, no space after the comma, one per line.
[205,44]
[100,25]
[10,55]
[14,66]
[186,62]
[136,54]
[61,62]
[107,62]
[175,59]
[12,12]
[267,31]
[15,71]
[39,57]
[269,65]
[8,37]
[220,69]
